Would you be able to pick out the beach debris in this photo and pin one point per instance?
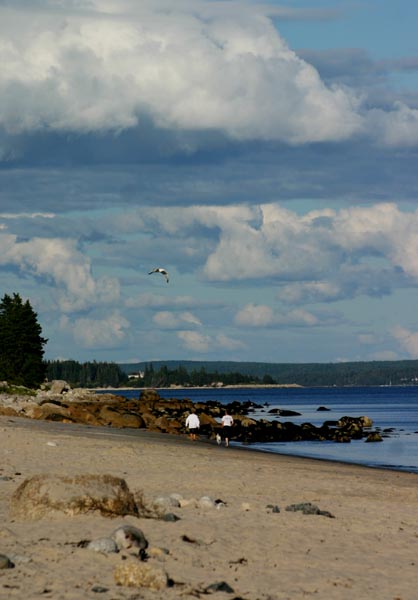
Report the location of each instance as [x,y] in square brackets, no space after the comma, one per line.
[139,574]
[190,540]
[128,536]
[307,508]
[162,271]
[5,562]
[99,589]
[51,444]
[105,544]
[42,495]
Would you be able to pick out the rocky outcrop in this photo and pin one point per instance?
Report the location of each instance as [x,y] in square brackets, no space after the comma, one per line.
[150,411]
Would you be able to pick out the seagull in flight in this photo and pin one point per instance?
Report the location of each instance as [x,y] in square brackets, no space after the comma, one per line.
[160,270]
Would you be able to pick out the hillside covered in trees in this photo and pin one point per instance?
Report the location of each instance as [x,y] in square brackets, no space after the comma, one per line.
[403,372]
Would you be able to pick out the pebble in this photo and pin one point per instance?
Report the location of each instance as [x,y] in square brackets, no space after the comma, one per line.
[307,508]
[221,586]
[104,544]
[170,517]
[5,562]
[137,574]
[166,502]
[206,502]
[128,536]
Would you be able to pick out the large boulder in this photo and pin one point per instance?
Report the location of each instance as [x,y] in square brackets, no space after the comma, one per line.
[59,386]
[42,495]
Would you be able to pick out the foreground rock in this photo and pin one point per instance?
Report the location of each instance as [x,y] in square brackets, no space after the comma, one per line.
[42,495]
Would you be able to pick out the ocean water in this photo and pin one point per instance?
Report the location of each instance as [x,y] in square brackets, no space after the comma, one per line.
[390,407]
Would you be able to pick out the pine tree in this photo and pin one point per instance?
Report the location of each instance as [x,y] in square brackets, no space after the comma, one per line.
[21,344]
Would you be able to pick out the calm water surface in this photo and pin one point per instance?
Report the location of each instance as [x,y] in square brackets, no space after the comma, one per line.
[389,407]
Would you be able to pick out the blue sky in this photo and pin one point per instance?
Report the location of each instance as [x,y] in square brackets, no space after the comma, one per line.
[264,153]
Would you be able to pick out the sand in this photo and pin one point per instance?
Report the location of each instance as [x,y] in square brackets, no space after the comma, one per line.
[368,550]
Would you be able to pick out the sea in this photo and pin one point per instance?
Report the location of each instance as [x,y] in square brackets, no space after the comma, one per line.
[393,409]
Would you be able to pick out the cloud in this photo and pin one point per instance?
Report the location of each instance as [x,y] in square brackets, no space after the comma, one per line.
[199,342]
[253,315]
[149,300]
[108,332]
[170,320]
[24,215]
[61,263]
[201,67]
[193,340]
[408,340]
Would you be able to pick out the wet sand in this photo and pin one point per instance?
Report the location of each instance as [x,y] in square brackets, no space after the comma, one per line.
[368,550]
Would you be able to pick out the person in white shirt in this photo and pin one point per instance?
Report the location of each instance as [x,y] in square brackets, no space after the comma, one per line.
[193,424]
[227,422]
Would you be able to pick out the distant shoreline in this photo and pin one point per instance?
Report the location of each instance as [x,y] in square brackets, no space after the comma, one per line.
[202,387]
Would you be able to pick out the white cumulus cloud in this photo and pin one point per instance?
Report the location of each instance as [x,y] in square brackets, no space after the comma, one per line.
[194,66]
[60,261]
[169,320]
[108,332]
[408,340]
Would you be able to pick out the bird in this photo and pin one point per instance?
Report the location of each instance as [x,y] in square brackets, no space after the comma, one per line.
[160,270]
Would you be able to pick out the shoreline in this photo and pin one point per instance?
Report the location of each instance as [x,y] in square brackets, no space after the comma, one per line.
[129,434]
[252,543]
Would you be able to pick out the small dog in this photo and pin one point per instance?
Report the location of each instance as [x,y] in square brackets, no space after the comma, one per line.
[218,439]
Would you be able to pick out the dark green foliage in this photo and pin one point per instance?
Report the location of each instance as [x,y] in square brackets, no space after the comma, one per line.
[400,372]
[21,343]
[164,377]
[89,374]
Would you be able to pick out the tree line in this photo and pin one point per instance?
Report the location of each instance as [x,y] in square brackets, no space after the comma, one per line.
[165,377]
[22,363]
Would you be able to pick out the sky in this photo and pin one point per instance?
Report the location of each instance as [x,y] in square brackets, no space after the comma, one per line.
[264,153]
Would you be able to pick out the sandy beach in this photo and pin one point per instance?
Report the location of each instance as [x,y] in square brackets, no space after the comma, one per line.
[248,547]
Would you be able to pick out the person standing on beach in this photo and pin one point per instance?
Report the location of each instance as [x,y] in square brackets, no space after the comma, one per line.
[227,422]
[193,424]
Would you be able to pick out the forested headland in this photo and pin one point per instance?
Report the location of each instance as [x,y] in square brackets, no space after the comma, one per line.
[213,373]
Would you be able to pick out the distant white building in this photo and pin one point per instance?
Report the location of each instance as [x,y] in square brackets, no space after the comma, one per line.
[139,375]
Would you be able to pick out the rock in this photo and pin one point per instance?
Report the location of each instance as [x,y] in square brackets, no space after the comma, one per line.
[221,586]
[206,502]
[105,545]
[374,436]
[41,495]
[139,574]
[59,386]
[149,394]
[170,518]
[5,562]
[307,508]
[322,408]
[128,536]
[163,503]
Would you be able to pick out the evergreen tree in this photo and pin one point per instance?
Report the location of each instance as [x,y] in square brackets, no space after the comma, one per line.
[21,344]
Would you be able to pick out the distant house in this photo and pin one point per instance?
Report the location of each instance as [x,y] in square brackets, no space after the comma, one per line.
[139,375]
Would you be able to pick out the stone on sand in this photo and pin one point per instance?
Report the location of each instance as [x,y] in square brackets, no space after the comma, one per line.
[139,574]
[42,495]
